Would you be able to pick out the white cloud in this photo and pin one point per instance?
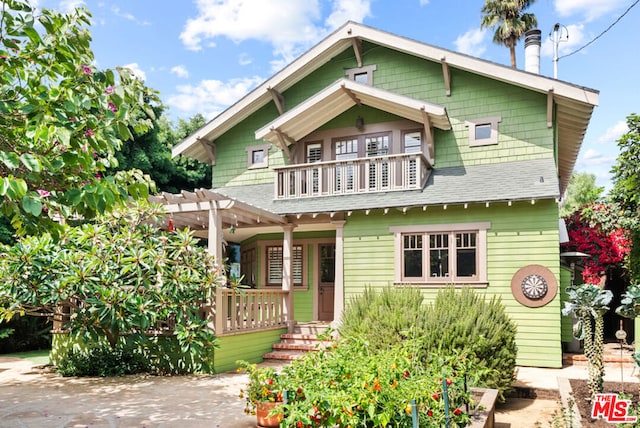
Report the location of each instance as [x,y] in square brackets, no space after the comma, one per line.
[571,37]
[594,157]
[68,6]
[472,42]
[424,2]
[589,9]
[613,134]
[136,70]
[126,15]
[180,71]
[244,59]
[348,10]
[211,97]
[290,26]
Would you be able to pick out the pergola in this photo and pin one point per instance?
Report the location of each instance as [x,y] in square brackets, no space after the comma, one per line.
[208,210]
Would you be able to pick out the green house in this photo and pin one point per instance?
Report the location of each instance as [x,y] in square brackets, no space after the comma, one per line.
[376,160]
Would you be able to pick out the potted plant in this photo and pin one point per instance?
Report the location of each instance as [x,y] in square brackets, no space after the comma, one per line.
[263,394]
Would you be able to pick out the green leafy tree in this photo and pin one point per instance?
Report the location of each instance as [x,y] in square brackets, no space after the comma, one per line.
[62,120]
[589,303]
[119,275]
[582,190]
[150,152]
[626,188]
[510,22]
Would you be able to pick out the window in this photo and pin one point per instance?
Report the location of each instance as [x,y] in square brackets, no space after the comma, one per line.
[249,267]
[275,262]
[412,143]
[258,156]
[375,146]
[483,132]
[441,254]
[362,74]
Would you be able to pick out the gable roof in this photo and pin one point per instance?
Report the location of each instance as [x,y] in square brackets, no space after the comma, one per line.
[340,96]
[574,104]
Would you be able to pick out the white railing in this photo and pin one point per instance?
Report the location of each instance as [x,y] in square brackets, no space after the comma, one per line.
[408,171]
[248,310]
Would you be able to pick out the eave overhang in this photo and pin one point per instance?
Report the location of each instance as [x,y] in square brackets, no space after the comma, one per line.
[339,97]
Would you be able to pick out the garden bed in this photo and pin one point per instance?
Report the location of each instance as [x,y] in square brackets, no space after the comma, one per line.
[580,392]
[484,415]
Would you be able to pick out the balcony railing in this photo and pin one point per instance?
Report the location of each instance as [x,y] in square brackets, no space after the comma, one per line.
[407,171]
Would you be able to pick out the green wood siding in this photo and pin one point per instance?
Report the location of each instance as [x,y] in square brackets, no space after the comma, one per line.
[249,347]
[567,323]
[520,235]
[523,132]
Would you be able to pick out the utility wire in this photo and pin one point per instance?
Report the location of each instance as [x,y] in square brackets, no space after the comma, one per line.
[602,34]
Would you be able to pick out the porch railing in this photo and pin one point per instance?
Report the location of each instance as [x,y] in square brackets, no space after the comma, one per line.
[236,312]
[407,171]
[231,312]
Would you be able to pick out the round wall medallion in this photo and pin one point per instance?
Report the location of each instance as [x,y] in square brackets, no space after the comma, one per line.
[534,286]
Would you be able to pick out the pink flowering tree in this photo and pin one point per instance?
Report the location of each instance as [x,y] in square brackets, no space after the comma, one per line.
[62,120]
[596,229]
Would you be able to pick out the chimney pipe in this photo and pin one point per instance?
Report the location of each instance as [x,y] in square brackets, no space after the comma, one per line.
[532,42]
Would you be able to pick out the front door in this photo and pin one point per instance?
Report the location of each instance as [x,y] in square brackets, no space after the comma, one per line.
[326,277]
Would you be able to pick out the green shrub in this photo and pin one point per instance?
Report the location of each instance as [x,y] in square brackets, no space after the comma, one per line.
[383,318]
[102,361]
[457,321]
[465,320]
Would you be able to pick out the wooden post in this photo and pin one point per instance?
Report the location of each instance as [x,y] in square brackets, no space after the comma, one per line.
[338,298]
[287,275]
[220,319]
[215,238]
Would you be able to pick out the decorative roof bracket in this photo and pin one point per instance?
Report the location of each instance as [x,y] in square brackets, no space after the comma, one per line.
[550,108]
[357,49]
[351,95]
[446,74]
[278,100]
[284,139]
[428,134]
[210,149]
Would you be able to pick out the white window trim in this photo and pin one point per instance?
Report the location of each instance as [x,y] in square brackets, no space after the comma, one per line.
[479,227]
[493,139]
[368,69]
[265,161]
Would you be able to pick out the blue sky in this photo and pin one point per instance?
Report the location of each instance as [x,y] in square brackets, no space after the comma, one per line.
[203,55]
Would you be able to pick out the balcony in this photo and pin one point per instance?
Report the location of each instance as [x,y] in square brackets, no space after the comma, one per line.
[407,171]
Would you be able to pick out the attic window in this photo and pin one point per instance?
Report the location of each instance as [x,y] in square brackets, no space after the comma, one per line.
[362,74]
[483,132]
[258,156]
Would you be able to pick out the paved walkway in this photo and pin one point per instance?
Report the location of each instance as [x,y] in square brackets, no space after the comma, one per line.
[31,398]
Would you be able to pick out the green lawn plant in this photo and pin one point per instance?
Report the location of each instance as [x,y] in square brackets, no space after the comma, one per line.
[121,277]
[589,303]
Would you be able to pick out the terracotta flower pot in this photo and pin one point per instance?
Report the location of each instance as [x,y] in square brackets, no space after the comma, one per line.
[262,411]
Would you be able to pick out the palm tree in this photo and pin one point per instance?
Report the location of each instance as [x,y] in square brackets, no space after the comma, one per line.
[509,21]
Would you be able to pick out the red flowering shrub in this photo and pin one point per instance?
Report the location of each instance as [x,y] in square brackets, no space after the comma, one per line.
[595,230]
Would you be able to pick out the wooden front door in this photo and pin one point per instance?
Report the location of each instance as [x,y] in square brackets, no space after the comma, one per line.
[326,277]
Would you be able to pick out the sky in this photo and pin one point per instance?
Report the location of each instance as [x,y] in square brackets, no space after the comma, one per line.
[204,55]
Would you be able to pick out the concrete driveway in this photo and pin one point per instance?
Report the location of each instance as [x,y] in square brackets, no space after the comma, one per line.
[32,398]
